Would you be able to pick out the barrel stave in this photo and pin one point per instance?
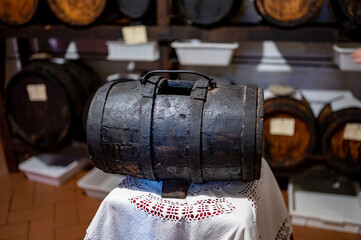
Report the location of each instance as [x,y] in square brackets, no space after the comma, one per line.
[222,132]
[170,136]
[121,127]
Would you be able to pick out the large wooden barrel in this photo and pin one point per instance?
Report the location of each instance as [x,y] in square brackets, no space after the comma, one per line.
[134,9]
[79,12]
[288,13]
[44,102]
[340,129]
[348,10]
[289,133]
[17,12]
[208,12]
[169,129]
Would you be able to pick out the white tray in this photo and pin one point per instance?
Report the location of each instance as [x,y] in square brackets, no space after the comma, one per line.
[325,200]
[97,184]
[195,52]
[52,169]
[119,51]
[342,57]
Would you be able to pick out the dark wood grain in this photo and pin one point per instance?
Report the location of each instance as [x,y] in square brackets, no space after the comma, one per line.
[129,132]
[161,33]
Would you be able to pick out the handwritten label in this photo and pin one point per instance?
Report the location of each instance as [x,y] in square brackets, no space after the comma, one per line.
[135,34]
[352,131]
[37,92]
[282,126]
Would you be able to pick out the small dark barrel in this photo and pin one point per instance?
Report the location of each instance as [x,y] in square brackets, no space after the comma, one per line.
[134,9]
[281,148]
[170,129]
[348,9]
[208,12]
[17,12]
[340,151]
[288,13]
[79,12]
[45,100]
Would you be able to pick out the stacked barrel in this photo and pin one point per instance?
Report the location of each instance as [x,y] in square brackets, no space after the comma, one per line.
[292,136]
[280,13]
[289,130]
[45,102]
[340,129]
[74,13]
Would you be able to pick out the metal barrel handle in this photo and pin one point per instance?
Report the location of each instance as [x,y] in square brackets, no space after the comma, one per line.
[145,78]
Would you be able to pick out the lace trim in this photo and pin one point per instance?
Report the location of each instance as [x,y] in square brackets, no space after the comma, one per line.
[285,230]
[130,182]
[205,188]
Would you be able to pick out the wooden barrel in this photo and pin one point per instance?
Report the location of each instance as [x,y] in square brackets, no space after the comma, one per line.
[134,9]
[44,102]
[341,138]
[348,10]
[289,133]
[17,12]
[208,12]
[288,13]
[169,129]
[79,12]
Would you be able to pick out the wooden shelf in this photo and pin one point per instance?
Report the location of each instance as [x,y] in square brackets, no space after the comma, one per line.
[169,33]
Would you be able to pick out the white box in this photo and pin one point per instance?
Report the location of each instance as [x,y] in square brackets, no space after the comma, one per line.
[97,184]
[342,58]
[195,52]
[52,169]
[329,203]
[119,51]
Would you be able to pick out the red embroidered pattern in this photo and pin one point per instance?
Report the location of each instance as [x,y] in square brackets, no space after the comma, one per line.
[176,211]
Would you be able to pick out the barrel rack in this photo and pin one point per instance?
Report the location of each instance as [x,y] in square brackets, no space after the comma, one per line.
[163,31]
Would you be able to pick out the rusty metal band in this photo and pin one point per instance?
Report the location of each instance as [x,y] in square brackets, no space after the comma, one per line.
[147,104]
[249,132]
[259,135]
[198,97]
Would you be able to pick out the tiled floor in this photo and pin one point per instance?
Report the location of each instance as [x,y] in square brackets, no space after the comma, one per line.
[36,211]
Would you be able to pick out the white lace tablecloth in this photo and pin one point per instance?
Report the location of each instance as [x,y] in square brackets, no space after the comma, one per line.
[215,210]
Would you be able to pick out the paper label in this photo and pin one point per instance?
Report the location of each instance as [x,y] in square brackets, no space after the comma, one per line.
[37,92]
[282,126]
[135,34]
[352,131]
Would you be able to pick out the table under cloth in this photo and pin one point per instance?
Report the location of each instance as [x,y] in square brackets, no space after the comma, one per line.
[214,210]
